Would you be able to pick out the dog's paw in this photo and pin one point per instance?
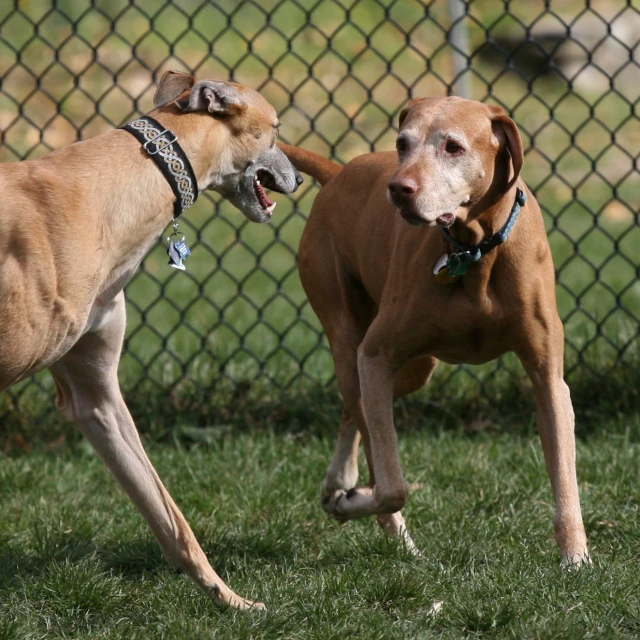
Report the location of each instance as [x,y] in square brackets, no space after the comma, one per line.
[347,505]
[334,485]
[577,560]
[330,500]
[225,597]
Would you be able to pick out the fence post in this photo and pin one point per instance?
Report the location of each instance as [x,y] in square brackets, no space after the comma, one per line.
[459,39]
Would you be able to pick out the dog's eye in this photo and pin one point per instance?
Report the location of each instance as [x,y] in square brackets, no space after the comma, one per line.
[401,145]
[452,147]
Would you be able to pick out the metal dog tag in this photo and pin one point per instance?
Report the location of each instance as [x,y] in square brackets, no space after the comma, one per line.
[440,264]
[177,252]
[441,272]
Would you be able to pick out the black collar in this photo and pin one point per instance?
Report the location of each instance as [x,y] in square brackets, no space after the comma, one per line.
[162,145]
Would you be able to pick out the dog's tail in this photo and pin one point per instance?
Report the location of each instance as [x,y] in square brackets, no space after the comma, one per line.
[311,163]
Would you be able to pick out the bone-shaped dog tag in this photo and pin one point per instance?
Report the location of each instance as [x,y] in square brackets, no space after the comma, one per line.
[441,271]
[440,264]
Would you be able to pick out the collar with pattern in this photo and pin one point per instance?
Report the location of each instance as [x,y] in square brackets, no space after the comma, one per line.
[162,146]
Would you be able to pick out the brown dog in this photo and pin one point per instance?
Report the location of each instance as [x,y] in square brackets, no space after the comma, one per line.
[75,226]
[369,277]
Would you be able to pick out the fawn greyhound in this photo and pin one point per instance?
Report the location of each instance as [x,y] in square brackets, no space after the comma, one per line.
[75,226]
[436,252]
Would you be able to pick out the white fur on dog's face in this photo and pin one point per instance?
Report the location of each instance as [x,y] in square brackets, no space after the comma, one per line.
[448,167]
[447,150]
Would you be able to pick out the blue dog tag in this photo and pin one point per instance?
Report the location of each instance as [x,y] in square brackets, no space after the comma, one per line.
[177,252]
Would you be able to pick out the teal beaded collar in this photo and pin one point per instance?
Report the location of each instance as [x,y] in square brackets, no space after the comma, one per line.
[468,254]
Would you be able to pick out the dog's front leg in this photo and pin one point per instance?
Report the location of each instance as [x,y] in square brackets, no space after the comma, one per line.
[555,419]
[389,493]
[377,379]
[342,476]
[89,395]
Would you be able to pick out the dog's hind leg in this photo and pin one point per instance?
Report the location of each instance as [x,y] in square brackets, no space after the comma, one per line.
[89,395]
[345,310]
[542,358]
[342,473]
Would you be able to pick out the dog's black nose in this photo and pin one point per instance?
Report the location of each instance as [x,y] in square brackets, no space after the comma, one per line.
[298,177]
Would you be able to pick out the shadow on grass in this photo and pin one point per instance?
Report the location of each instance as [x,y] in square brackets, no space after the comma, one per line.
[129,559]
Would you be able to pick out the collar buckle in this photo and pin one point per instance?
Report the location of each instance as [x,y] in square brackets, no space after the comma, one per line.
[160,145]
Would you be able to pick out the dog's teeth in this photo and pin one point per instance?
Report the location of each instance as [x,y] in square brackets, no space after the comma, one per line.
[257,181]
[272,207]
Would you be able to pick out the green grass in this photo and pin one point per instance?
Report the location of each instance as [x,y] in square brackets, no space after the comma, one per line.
[76,560]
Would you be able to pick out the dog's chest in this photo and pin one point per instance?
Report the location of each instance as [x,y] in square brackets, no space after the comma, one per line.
[469,342]
[451,326]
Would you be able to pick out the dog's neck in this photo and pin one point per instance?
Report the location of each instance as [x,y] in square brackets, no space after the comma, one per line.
[490,213]
[200,144]
[489,222]
[126,201]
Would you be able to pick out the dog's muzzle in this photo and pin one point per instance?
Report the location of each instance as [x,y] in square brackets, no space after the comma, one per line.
[272,171]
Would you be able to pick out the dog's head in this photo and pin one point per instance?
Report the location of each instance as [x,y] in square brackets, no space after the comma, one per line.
[236,131]
[452,153]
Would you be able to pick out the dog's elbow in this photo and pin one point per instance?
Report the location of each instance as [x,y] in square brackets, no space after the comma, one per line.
[392,500]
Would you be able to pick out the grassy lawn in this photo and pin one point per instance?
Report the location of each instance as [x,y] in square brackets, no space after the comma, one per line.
[77,561]
[338,73]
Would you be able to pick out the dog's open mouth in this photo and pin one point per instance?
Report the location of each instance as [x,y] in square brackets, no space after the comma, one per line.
[262,180]
[446,219]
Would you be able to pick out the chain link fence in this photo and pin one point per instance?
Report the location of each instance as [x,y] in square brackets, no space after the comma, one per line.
[338,72]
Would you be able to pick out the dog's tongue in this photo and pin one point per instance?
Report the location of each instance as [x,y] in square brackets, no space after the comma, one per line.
[266,201]
[446,219]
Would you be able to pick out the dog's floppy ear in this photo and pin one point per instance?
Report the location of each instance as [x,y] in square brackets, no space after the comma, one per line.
[172,84]
[405,112]
[219,98]
[499,118]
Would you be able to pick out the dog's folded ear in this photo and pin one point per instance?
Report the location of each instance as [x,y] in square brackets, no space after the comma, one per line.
[219,98]
[513,142]
[172,85]
[405,112]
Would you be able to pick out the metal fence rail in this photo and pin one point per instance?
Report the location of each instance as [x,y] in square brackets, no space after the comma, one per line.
[339,71]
